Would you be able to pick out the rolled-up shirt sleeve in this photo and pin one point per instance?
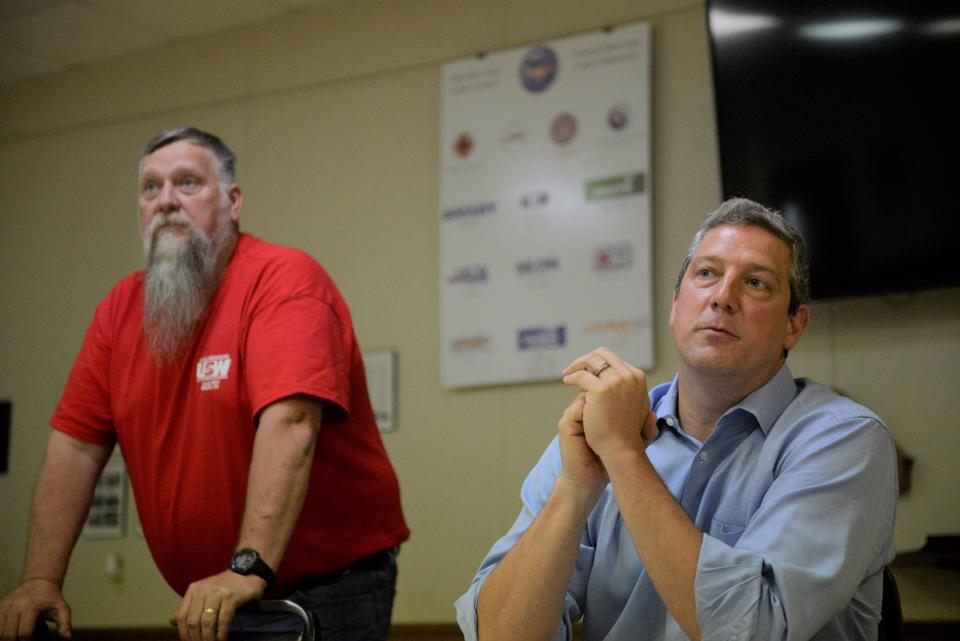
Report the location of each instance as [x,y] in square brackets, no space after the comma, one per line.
[821,527]
[534,494]
[797,522]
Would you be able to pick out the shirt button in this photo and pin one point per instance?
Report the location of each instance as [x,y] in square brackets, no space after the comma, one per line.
[669,421]
[703,455]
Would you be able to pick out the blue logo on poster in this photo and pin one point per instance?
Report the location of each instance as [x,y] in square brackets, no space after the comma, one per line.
[542,337]
[538,69]
[469,211]
[470,274]
[538,265]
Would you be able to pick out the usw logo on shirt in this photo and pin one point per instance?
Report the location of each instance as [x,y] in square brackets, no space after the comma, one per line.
[211,370]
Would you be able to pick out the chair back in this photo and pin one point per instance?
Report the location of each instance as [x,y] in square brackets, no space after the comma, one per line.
[284,620]
[891,616]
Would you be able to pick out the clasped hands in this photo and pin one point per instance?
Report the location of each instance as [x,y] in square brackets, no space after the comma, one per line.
[610,416]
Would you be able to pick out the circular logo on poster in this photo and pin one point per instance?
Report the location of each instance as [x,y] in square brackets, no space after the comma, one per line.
[618,117]
[563,128]
[538,68]
[463,145]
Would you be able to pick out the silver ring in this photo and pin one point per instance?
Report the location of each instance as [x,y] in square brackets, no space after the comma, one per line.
[600,370]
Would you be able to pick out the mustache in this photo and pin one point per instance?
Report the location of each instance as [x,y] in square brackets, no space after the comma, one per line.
[174,219]
[170,219]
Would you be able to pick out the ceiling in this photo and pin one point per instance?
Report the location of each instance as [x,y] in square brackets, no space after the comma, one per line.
[41,37]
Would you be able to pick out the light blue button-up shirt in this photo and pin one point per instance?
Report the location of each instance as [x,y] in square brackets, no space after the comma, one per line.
[795,492]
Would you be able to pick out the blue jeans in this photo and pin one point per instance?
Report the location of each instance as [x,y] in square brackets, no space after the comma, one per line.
[355,606]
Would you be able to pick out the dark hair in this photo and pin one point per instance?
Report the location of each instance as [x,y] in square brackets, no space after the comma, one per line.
[226,160]
[744,212]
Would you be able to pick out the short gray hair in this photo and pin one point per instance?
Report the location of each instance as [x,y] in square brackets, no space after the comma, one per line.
[743,213]
[226,159]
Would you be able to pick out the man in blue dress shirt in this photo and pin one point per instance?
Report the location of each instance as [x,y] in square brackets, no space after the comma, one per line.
[732,503]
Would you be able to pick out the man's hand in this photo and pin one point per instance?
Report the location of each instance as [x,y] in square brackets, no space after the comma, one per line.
[208,606]
[279,476]
[34,597]
[581,467]
[616,410]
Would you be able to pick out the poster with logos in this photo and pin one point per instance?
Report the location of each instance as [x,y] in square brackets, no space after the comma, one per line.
[545,221]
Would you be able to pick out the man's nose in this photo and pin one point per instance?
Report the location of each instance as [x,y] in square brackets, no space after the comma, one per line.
[167,200]
[724,295]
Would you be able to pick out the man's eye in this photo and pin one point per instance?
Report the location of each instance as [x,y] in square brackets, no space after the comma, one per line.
[756,283]
[189,182]
[150,187]
[704,272]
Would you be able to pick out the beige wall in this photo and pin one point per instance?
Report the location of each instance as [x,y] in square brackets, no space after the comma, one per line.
[334,115]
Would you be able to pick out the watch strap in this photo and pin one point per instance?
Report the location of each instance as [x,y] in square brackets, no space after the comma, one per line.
[258,568]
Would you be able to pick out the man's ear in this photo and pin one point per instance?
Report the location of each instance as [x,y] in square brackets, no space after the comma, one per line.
[235,196]
[796,324]
[673,306]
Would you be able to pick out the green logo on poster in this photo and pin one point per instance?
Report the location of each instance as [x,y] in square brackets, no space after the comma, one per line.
[615,186]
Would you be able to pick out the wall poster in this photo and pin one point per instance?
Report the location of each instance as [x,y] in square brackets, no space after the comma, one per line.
[545,221]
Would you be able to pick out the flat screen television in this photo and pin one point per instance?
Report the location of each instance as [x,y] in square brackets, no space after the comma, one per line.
[843,115]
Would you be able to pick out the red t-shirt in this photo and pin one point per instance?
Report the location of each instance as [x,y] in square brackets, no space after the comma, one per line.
[276,326]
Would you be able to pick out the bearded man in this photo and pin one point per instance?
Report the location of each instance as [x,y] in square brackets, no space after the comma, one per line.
[229,375]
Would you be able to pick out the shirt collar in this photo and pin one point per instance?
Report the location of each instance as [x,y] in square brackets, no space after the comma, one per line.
[766,404]
[666,407]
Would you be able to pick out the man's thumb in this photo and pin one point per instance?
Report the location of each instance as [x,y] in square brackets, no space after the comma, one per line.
[62,617]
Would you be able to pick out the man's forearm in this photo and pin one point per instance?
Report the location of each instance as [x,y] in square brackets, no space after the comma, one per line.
[523,598]
[666,540]
[279,476]
[61,501]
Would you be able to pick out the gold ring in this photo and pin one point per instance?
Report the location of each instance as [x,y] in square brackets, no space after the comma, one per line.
[600,370]
[209,611]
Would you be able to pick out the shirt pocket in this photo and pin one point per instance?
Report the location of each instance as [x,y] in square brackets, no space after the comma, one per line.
[726,531]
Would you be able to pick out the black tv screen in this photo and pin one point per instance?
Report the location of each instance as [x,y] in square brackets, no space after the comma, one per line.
[844,116]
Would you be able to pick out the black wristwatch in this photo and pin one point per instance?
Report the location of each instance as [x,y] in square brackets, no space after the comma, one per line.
[247,561]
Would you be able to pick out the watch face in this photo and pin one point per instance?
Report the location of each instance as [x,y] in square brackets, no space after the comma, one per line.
[244,560]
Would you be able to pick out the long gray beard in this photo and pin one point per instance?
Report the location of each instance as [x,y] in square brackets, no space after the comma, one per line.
[180,279]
